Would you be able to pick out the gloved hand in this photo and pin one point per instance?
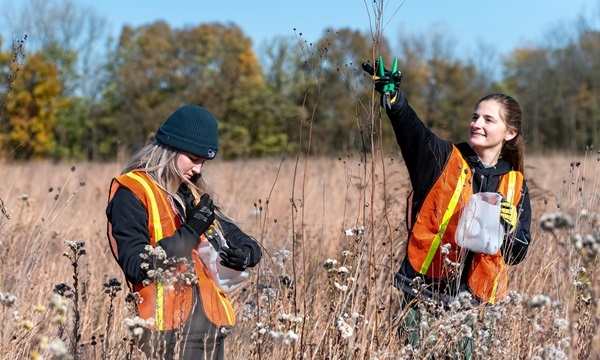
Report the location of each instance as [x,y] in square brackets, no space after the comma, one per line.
[508,215]
[234,257]
[386,82]
[202,215]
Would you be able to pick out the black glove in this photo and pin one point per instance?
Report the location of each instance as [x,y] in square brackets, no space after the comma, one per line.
[508,216]
[200,217]
[383,81]
[234,257]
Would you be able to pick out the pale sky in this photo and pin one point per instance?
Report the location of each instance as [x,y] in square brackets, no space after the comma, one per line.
[504,25]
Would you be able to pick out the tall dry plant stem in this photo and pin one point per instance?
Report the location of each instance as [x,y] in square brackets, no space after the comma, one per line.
[74,255]
[379,9]
[17,60]
[16,64]
[314,73]
[263,221]
[379,12]
[111,288]
[38,235]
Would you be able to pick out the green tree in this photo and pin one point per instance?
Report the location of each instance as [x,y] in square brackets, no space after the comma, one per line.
[325,80]
[525,78]
[590,91]
[255,122]
[72,133]
[156,69]
[146,81]
[340,122]
[286,83]
[557,86]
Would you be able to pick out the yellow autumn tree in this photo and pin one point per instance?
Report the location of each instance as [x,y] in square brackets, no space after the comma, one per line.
[29,116]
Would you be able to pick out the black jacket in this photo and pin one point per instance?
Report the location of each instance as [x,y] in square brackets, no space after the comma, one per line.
[129,220]
[425,156]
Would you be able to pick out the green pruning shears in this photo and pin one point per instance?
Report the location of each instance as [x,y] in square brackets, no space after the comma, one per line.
[385,81]
[388,90]
[391,87]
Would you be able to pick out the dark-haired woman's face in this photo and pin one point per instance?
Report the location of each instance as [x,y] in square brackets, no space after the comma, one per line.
[189,165]
[488,129]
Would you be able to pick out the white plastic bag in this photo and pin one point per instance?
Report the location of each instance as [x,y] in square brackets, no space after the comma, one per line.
[479,228]
[225,278]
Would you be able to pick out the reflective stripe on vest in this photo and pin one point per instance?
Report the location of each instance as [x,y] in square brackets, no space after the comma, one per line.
[437,219]
[170,308]
[153,205]
[445,219]
[512,183]
[154,215]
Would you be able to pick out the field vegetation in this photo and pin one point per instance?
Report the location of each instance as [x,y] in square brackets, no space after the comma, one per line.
[333,233]
[310,169]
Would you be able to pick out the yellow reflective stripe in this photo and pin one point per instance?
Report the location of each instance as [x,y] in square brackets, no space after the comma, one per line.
[512,183]
[230,316]
[510,195]
[445,220]
[160,301]
[158,318]
[492,299]
[153,204]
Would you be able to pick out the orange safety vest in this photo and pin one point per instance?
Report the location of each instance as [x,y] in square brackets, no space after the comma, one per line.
[170,306]
[436,225]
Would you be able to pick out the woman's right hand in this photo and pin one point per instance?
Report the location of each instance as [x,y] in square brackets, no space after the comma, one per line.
[200,217]
[387,82]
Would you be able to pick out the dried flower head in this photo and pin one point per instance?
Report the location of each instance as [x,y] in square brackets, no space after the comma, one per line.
[550,222]
[357,230]
[136,325]
[329,263]
[345,329]
[7,299]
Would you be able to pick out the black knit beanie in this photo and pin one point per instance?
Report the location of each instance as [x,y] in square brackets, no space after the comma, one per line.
[191,129]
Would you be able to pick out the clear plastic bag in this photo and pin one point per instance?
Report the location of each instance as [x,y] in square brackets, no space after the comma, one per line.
[225,278]
[479,228]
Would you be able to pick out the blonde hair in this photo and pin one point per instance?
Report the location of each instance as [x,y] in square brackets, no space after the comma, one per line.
[159,161]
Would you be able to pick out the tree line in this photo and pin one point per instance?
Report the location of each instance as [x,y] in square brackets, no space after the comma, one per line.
[68,97]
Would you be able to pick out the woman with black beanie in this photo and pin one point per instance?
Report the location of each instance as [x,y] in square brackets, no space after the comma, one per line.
[161,220]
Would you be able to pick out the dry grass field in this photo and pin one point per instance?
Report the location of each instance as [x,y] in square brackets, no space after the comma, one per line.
[333,233]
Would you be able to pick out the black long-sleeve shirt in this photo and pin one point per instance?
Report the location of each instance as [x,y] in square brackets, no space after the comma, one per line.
[129,220]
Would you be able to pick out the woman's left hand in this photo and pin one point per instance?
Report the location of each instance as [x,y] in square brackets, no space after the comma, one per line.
[235,258]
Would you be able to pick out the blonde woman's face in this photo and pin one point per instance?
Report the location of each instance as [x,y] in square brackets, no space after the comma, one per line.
[488,129]
[189,165]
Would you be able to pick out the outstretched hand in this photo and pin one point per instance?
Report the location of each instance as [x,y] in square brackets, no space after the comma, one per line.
[387,82]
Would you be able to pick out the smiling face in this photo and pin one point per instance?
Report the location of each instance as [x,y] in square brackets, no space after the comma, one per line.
[488,131]
[189,165]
